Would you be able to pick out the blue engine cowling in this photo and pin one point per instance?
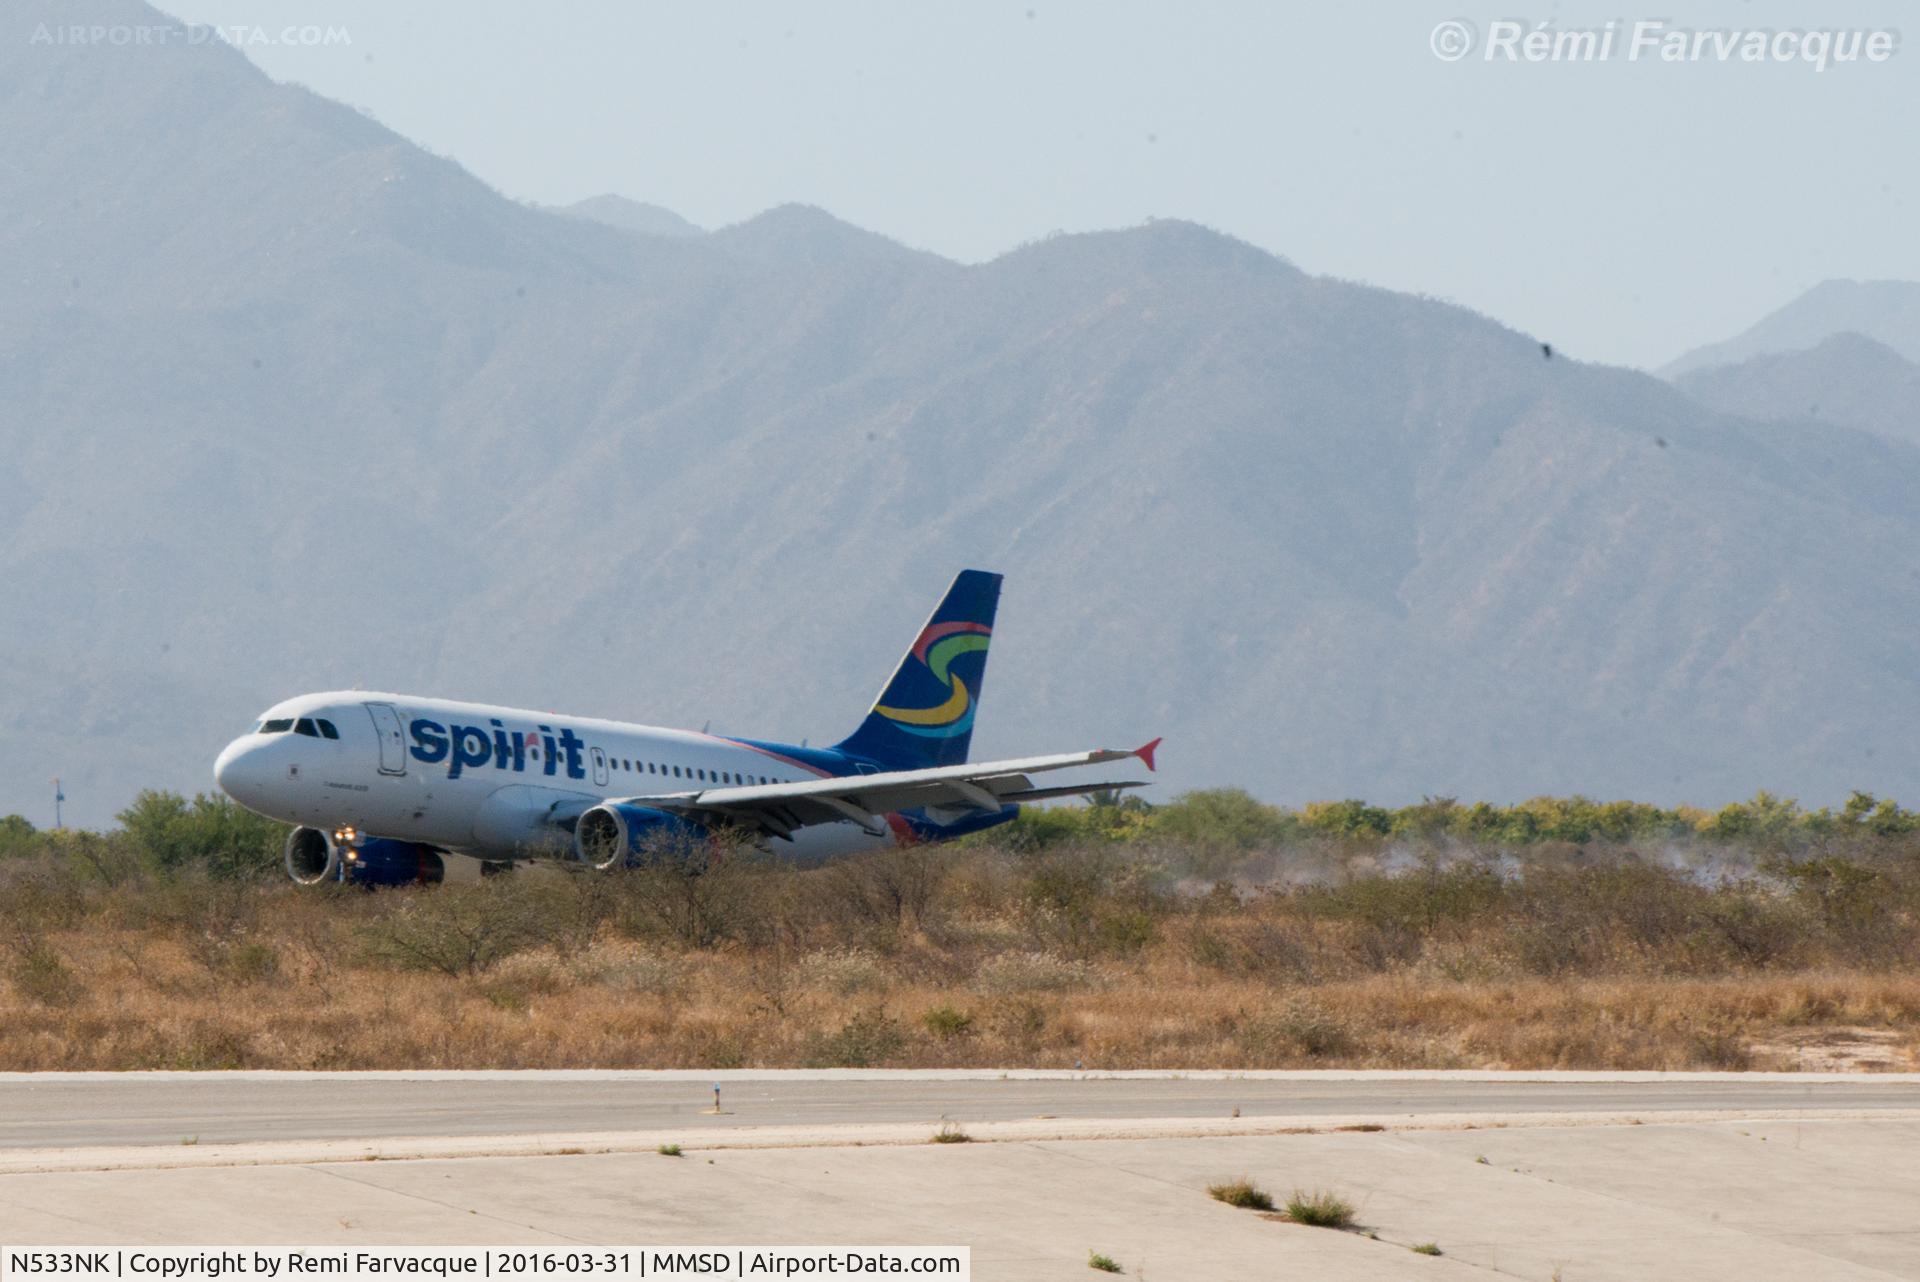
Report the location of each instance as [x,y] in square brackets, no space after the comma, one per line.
[614,835]
[314,856]
[379,861]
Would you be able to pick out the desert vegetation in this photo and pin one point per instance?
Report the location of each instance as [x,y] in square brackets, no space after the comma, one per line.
[1209,932]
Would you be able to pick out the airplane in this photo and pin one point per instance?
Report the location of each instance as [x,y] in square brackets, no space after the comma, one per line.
[390,789]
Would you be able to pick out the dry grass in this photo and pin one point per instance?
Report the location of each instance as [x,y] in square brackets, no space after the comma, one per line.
[1320,1209]
[1243,1193]
[998,960]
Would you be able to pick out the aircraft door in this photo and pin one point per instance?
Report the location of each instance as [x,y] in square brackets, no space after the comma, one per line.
[599,767]
[393,748]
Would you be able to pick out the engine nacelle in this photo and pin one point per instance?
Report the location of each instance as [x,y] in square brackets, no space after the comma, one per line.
[614,835]
[312,856]
[380,861]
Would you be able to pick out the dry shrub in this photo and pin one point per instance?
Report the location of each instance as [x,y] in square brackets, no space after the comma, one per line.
[697,892]
[1719,1048]
[870,1039]
[946,1023]
[1243,1193]
[843,971]
[518,979]
[1088,899]
[1591,959]
[1039,972]
[455,930]
[1018,1024]
[633,971]
[1321,1208]
[41,975]
[39,894]
[1301,1029]
[883,895]
[1272,948]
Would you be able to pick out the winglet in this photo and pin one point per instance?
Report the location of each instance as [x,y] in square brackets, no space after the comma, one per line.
[1145,753]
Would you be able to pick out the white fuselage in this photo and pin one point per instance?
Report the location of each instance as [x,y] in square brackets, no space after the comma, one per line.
[482,780]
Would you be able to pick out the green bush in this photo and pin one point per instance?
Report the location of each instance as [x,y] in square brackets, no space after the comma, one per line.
[170,832]
[1222,819]
[946,1023]
[1214,828]
[18,838]
[1346,818]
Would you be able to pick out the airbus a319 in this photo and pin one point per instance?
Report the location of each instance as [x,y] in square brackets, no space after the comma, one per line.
[387,789]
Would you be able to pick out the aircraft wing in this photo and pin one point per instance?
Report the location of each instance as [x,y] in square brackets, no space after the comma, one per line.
[780,808]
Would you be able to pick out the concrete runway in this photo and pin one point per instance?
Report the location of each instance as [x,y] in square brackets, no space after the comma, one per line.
[65,1110]
[1576,1177]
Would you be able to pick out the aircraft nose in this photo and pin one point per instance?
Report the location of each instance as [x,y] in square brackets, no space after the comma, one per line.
[237,770]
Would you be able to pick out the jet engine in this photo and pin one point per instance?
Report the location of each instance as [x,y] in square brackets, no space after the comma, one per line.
[616,835]
[314,855]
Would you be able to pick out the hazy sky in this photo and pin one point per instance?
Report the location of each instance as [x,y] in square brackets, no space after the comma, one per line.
[1626,211]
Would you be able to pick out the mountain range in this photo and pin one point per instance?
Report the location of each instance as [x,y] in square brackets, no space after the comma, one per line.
[1887,311]
[288,404]
[1846,379]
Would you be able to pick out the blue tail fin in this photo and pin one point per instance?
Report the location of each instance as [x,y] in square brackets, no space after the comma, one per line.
[924,717]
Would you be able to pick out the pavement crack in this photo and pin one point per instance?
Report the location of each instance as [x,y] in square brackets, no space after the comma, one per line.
[330,1169]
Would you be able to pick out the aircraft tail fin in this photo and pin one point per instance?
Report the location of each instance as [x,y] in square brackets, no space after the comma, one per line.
[924,716]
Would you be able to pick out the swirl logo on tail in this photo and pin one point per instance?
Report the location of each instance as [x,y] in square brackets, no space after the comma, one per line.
[938,646]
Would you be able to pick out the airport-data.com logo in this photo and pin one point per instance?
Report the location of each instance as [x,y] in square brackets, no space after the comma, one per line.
[178,34]
[1655,40]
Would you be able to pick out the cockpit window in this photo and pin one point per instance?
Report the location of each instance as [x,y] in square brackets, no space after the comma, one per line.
[306,727]
[279,725]
[326,728]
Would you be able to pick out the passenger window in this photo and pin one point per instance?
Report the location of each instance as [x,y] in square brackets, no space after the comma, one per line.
[326,728]
[279,725]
